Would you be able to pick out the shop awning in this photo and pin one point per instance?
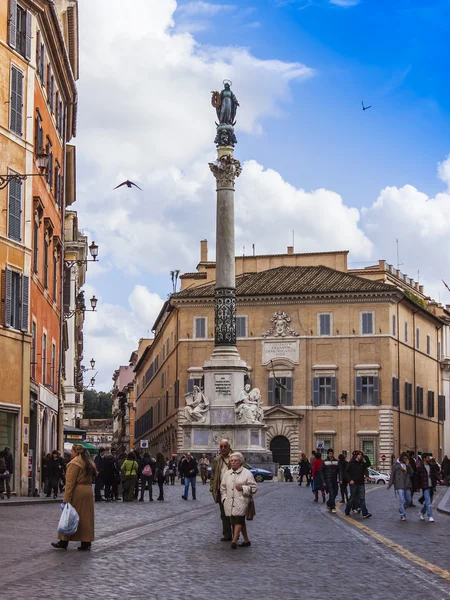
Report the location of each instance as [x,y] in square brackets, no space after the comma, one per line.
[93,449]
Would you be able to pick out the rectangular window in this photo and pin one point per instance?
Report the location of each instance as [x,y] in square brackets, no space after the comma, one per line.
[15,210]
[368,447]
[419,400]
[417,338]
[163,380]
[16,101]
[158,410]
[38,135]
[194,381]
[441,408]
[430,404]
[325,324]
[367,391]
[408,396]
[394,325]
[176,394]
[280,391]
[16,291]
[53,367]
[36,245]
[395,392]
[439,350]
[406,332]
[49,174]
[33,351]
[167,404]
[324,391]
[200,328]
[428,345]
[367,325]
[55,277]
[241,327]
[20,29]
[46,245]
[44,358]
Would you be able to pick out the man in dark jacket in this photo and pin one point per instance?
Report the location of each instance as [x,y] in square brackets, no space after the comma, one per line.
[428,475]
[9,461]
[189,471]
[355,474]
[99,483]
[330,472]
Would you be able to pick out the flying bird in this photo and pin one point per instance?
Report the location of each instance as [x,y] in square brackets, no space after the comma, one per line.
[128,183]
[365,107]
[446,285]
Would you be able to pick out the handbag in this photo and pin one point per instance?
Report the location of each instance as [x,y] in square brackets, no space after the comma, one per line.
[251,511]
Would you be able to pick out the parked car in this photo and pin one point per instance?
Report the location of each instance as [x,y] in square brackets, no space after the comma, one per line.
[260,474]
[377,477]
[293,468]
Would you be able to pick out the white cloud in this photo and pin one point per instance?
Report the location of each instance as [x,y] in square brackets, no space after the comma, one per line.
[344,3]
[204,9]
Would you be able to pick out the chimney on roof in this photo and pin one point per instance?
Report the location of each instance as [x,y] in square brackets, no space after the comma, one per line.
[382,265]
[290,249]
[204,251]
[421,289]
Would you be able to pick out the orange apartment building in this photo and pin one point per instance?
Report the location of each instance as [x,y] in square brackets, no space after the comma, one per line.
[38,69]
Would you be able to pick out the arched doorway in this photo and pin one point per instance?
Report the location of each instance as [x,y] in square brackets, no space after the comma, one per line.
[281,450]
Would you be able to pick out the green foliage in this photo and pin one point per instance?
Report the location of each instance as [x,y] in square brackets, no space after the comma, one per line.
[416,299]
[97,405]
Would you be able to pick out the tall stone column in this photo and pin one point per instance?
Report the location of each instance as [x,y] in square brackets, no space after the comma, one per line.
[225,169]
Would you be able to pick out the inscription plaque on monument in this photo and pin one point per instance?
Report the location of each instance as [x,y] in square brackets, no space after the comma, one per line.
[222,387]
[284,349]
[222,416]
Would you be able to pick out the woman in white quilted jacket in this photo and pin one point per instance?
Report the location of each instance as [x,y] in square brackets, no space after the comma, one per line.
[236,489]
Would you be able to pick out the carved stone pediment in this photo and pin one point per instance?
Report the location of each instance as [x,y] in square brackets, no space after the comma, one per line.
[281,412]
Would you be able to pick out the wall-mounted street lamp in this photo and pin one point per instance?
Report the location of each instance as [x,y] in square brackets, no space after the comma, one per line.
[42,163]
[81,308]
[85,369]
[93,249]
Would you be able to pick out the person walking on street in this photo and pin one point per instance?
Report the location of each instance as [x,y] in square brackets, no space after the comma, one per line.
[343,485]
[330,471]
[160,475]
[78,492]
[445,468]
[129,471]
[146,473]
[9,462]
[204,464]
[428,476]
[180,464]
[304,470]
[4,476]
[317,478]
[110,478]
[190,472]
[401,480]
[236,490]
[173,464]
[99,480]
[54,470]
[355,475]
[220,465]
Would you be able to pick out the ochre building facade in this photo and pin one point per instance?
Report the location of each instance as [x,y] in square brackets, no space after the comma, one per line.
[343,359]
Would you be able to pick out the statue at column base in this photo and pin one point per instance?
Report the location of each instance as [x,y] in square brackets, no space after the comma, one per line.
[248,410]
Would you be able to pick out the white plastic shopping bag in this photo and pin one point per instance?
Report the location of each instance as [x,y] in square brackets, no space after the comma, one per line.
[68,523]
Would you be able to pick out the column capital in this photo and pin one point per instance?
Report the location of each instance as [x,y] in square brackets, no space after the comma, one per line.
[225,169]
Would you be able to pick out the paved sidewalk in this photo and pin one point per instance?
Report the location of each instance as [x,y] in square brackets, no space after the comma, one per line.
[24,500]
[444,504]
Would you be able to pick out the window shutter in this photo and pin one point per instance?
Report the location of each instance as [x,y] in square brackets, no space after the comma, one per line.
[60,117]
[43,61]
[52,93]
[441,408]
[66,292]
[289,391]
[395,392]
[16,101]
[8,294]
[315,391]
[271,391]
[14,209]
[334,391]
[38,51]
[24,303]
[12,23]
[376,391]
[358,388]
[28,36]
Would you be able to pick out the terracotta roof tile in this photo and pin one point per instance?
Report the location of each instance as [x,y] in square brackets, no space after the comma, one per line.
[293,280]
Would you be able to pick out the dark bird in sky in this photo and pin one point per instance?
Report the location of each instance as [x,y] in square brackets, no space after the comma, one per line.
[365,107]
[446,285]
[128,183]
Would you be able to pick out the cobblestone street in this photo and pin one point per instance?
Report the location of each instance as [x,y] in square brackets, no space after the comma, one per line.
[172,550]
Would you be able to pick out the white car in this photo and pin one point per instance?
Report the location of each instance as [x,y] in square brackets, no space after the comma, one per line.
[377,477]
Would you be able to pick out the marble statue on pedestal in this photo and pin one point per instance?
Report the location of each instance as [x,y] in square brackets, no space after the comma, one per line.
[197,406]
[248,409]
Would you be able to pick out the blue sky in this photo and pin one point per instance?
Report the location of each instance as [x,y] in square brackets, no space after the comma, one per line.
[343,178]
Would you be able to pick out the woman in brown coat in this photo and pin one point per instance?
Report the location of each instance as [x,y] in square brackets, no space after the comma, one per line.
[78,492]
